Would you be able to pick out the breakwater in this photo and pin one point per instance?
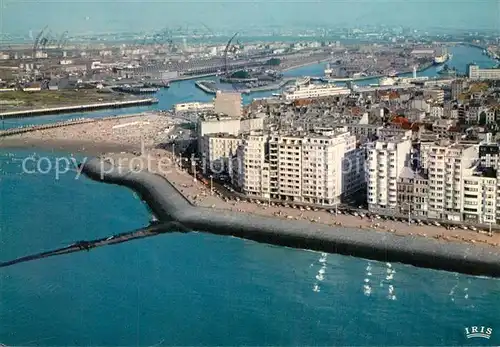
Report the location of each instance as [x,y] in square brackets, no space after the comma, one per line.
[27,129]
[167,203]
[78,108]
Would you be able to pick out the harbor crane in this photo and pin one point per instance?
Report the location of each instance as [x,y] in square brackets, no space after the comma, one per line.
[63,40]
[229,48]
[38,39]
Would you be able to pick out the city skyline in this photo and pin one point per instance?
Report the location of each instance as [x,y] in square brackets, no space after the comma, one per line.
[112,16]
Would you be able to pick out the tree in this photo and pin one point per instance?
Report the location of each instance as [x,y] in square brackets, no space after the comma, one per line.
[274,61]
[482,118]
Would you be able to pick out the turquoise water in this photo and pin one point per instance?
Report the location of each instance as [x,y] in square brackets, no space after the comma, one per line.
[199,289]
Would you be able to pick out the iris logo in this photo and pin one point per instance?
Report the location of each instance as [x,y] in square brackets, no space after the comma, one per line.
[475,331]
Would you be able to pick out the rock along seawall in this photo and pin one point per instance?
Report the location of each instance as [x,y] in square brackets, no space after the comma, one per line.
[168,204]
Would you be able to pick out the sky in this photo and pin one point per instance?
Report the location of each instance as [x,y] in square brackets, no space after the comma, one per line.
[80,16]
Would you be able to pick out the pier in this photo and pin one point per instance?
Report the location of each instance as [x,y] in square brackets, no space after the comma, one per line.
[78,108]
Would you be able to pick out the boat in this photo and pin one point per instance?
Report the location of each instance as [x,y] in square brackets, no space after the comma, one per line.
[392,73]
[446,71]
[315,91]
[443,58]
[387,81]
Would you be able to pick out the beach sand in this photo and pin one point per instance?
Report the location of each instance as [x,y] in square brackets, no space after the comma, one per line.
[110,134]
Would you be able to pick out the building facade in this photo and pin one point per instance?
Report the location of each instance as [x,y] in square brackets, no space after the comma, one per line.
[386,160]
[314,168]
[476,73]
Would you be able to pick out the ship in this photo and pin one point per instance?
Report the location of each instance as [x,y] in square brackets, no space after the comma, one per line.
[442,58]
[387,81]
[314,91]
[392,73]
[447,71]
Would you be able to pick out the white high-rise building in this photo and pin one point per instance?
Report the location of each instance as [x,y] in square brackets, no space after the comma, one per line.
[386,160]
[448,165]
[315,168]
[217,150]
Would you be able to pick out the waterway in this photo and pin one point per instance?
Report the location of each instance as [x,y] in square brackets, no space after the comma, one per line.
[197,289]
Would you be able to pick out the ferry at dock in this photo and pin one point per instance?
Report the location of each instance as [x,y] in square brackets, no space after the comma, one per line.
[314,91]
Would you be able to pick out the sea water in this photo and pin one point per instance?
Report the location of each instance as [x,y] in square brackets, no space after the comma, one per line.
[198,289]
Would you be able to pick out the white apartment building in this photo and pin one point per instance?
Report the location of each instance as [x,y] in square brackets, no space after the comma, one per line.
[437,112]
[476,73]
[312,168]
[448,165]
[386,160]
[226,125]
[217,149]
[442,126]
[479,197]
[437,95]
[421,104]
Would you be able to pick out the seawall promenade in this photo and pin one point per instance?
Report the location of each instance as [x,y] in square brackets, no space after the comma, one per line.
[168,204]
[78,108]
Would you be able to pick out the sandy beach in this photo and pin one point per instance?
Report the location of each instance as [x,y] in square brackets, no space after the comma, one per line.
[104,137]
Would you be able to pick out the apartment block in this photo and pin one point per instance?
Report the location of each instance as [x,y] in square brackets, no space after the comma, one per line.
[479,197]
[437,95]
[448,164]
[457,88]
[311,168]
[476,73]
[217,150]
[385,162]
[214,124]
[412,187]
[489,154]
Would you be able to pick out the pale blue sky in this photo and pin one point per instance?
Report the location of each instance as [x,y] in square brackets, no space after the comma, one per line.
[115,15]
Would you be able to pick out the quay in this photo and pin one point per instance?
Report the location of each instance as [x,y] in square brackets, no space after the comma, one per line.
[78,108]
[168,205]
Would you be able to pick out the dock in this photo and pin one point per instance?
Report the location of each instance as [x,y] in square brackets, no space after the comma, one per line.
[78,108]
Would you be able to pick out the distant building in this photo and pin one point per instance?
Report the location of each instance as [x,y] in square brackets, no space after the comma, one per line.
[474,72]
[193,107]
[436,94]
[457,88]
